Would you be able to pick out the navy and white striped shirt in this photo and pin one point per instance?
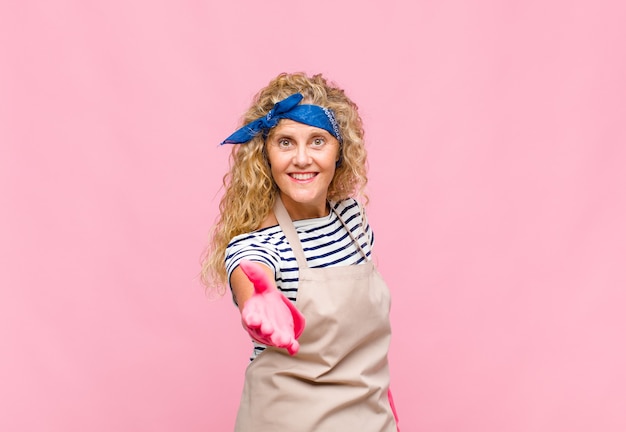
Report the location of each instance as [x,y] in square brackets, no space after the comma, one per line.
[324,240]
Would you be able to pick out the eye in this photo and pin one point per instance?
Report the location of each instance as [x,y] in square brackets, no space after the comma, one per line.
[319,141]
[283,143]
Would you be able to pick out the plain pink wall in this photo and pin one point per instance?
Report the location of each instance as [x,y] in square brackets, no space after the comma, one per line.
[497,145]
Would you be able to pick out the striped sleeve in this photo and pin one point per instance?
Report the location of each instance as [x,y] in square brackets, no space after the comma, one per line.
[252,247]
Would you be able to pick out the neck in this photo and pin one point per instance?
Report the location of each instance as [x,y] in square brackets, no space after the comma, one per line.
[299,211]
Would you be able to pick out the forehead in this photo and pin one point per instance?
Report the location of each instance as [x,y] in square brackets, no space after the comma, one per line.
[294,128]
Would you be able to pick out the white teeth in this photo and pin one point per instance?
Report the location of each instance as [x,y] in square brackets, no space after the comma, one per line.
[306,176]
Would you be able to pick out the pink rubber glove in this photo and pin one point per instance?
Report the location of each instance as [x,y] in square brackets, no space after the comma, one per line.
[393,409]
[268,316]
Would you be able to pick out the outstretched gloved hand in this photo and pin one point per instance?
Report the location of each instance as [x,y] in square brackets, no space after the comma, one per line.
[269,316]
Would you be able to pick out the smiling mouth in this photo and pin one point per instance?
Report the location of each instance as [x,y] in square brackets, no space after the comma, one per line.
[302,176]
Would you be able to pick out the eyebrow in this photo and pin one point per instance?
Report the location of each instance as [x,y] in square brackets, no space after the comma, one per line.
[286,134]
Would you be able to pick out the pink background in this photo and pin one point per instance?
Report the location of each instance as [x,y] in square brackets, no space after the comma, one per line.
[497,145]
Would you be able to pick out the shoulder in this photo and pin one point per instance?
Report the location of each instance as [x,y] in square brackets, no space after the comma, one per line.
[348,206]
[264,246]
[350,211]
[264,238]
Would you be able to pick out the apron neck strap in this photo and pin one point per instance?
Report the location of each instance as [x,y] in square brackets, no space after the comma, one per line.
[286,224]
[355,240]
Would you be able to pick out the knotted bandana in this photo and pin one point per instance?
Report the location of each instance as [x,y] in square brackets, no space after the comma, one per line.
[288,108]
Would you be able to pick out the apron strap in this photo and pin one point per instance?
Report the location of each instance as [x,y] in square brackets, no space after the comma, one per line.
[354,239]
[286,224]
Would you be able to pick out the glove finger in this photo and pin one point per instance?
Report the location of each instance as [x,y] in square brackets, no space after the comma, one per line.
[281,339]
[266,329]
[258,337]
[251,317]
[293,348]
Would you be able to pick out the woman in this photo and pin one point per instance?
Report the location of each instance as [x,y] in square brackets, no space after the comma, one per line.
[295,248]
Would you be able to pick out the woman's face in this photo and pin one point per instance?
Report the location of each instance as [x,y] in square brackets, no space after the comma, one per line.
[302,160]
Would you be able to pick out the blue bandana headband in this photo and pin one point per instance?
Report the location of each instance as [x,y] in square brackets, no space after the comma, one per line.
[289,108]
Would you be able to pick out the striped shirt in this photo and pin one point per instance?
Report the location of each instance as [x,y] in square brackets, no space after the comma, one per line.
[325,243]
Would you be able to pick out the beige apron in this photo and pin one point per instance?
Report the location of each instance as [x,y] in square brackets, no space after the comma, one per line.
[338,380]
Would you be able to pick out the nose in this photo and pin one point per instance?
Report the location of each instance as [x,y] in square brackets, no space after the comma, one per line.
[301,156]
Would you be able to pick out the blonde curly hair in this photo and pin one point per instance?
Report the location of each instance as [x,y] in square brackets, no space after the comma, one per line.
[250,190]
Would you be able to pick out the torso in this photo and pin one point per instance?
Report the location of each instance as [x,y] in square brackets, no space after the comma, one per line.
[325,241]
[339,378]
